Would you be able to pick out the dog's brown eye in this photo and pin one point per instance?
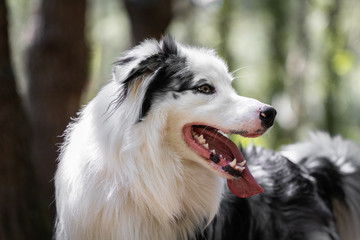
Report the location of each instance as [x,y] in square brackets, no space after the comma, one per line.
[206,88]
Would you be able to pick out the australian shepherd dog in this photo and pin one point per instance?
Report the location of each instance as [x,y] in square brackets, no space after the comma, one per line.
[149,158]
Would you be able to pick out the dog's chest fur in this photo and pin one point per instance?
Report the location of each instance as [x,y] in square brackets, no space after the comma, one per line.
[177,203]
[148,186]
[181,210]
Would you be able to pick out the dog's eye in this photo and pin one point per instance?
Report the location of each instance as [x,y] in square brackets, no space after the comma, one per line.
[206,88]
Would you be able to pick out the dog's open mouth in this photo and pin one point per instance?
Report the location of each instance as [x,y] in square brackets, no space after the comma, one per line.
[223,156]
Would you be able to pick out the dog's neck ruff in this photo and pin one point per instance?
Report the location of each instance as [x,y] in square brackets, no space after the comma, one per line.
[162,194]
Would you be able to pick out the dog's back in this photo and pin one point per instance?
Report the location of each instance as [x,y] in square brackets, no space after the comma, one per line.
[335,164]
[314,196]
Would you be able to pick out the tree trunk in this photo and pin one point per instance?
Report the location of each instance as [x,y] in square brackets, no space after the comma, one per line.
[21,213]
[57,62]
[333,79]
[223,27]
[149,19]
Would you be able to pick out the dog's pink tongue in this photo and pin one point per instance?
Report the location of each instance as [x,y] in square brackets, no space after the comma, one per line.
[245,186]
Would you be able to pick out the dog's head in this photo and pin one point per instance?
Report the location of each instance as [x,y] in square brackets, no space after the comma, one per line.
[189,91]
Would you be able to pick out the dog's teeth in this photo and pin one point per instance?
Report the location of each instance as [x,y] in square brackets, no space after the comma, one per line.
[206,145]
[201,139]
[239,168]
[242,163]
[221,156]
[233,163]
[213,151]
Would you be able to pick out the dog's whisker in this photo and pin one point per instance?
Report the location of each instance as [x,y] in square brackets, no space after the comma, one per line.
[217,132]
[244,76]
[238,69]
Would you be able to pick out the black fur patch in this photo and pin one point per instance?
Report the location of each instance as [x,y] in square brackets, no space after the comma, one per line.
[329,182]
[167,70]
[172,76]
[168,45]
[149,66]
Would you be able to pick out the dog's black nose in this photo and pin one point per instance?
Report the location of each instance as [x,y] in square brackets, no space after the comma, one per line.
[267,116]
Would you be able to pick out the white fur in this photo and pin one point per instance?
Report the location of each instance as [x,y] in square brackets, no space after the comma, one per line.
[118,179]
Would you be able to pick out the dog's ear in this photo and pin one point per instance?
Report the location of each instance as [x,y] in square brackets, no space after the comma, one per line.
[141,62]
[168,45]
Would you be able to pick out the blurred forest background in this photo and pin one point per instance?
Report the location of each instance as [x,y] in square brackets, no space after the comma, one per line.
[301,56]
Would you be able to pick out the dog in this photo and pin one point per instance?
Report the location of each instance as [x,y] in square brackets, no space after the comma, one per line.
[149,157]
[311,191]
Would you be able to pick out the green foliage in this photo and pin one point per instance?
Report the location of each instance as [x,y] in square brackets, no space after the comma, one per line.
[342,62]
